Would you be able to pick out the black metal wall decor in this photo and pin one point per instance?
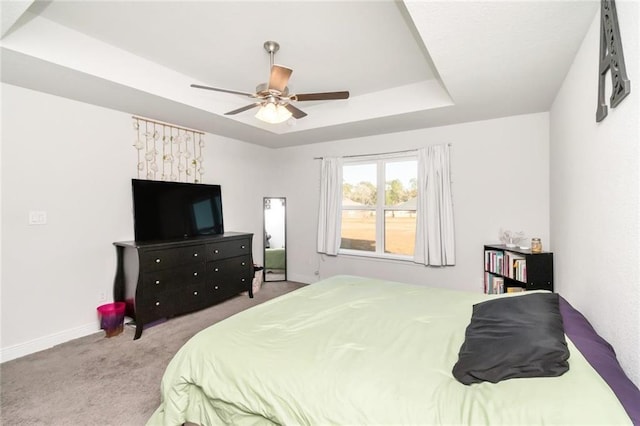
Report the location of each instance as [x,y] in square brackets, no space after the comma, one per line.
[611,59]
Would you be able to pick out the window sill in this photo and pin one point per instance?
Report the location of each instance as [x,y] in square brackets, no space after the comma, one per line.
[375,256]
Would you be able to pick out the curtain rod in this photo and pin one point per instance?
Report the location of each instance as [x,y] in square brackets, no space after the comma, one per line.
[150,120]
[369,155]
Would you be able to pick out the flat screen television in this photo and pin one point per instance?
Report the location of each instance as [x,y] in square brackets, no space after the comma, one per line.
[175,210]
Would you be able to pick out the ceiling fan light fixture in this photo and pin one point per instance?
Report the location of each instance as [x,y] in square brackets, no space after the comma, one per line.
[273,113]
[273,98]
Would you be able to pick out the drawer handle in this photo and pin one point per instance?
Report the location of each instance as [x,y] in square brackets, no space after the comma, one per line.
[195,254]
[157,282]
[215,270]
[195,293]
[244,263]
[215,288]
[157,260]
[195,274]
[216,251]
[242,246]
[243,280]
[157,303]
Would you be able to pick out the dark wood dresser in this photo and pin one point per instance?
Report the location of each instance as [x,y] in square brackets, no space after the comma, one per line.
[162,279]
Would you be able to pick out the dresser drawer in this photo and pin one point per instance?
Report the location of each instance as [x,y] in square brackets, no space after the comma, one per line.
[155,306]
[221,270]
[167,279]
[191,298]
[154,260]
[226,249]
[235,274]
[219,291]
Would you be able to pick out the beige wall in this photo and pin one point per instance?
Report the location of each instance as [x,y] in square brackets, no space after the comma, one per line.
[500,180]
[595,188]
[75,161]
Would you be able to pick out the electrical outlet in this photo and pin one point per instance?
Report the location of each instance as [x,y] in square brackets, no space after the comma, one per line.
[102,296]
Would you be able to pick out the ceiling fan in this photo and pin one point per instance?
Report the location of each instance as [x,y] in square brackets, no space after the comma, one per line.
[273,97]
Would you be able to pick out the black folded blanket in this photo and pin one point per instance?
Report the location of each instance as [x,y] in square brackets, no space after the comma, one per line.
[509,337]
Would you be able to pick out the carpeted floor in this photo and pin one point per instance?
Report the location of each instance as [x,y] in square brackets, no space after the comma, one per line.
[96,380]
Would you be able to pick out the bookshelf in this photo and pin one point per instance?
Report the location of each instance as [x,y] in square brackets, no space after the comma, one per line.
[508,269]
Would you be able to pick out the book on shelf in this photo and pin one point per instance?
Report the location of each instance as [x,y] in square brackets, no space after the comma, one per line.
[494,261]
[515,267]
[493,284]
[498,285]
[514,289]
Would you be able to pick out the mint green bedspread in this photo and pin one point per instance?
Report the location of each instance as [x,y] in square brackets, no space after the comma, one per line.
[359,351]
[274,258]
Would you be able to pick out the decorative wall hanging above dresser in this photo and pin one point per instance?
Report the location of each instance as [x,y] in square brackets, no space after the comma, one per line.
[168,152]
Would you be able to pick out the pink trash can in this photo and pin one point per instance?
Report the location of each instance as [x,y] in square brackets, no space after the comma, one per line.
[112,318]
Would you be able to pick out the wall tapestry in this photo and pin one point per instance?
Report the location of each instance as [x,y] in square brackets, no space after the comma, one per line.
[168,152]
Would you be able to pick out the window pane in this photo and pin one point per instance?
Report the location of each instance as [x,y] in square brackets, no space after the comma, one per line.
[401,179]
[358,230]
[399,231]
[359,185]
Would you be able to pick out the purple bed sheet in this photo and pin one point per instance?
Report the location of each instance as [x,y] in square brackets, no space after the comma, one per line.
[600,354]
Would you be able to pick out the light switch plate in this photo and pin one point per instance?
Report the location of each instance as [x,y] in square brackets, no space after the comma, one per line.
[37,217]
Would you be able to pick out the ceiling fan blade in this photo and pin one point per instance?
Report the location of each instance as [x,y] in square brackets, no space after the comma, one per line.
[279,78]
[244,108]
[197,86]
[295,112]
[321,96]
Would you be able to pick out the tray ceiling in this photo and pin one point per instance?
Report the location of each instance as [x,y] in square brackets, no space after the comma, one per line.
[408,65]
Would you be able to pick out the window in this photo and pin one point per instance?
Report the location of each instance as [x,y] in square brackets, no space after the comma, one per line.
[379,207]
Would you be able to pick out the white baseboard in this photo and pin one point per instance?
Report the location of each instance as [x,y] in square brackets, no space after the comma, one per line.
[46,342]
[305,279]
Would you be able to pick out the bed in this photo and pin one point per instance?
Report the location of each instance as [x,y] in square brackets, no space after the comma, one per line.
[274,258]
[353,350]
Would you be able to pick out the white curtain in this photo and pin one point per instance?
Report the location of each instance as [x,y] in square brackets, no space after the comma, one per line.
[435,244]
[329,218]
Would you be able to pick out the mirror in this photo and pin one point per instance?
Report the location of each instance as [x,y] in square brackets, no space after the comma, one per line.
[275,251]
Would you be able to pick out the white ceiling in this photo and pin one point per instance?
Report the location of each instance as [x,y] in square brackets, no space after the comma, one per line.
[407,65]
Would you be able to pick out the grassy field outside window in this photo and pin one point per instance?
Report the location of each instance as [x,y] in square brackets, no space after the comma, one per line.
[378,207]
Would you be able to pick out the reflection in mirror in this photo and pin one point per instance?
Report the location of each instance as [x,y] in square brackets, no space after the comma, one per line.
[275,252]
